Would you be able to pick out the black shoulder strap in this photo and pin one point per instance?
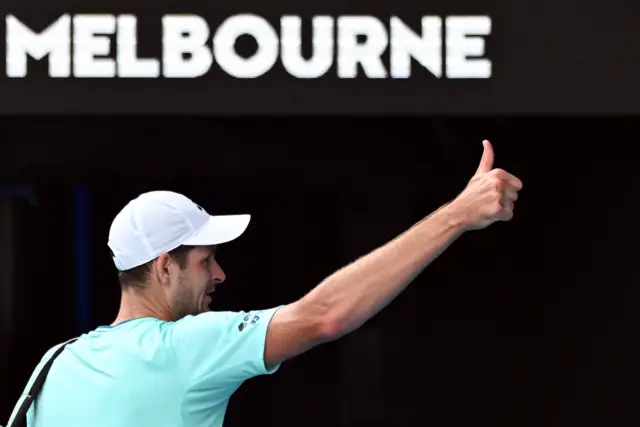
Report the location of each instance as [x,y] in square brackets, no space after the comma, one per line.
[19,417]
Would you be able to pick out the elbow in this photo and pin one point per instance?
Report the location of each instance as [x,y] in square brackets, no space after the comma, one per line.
[324,324]
[330,329]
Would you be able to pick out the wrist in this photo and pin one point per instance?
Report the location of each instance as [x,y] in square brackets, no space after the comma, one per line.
[455,217]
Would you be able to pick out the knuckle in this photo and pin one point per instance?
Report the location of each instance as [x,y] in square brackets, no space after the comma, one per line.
[496,197]
[496,208]
[496,184]
[500,173]
[518,185]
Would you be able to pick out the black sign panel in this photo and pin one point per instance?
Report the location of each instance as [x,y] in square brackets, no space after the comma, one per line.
[333,57]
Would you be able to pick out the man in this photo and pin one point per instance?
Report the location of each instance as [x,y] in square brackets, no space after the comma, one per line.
[167,361]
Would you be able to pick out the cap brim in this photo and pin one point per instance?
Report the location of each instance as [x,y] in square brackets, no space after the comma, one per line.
[220,229]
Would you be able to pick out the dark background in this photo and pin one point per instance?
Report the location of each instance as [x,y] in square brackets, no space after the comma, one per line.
[550,57]
[527,323]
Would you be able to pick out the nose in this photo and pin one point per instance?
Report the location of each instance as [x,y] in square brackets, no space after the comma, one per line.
[217,274]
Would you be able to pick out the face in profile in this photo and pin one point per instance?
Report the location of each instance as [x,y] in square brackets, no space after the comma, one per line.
[196,282]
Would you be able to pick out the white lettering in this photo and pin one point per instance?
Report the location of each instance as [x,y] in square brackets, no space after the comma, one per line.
[367,54]
[460,46]
[291,45]
[90,42]
[129,65]
[53,41]
[235,65]
[80,45]
[426,49]
[184,46]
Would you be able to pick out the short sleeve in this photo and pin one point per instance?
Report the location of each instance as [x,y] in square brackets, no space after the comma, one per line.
[219,349]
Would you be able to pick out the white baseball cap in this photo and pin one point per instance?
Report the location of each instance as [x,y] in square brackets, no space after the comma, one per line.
[161,221]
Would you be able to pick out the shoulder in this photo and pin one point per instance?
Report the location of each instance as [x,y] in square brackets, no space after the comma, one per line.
[55,349]
[220,323]
[219,347]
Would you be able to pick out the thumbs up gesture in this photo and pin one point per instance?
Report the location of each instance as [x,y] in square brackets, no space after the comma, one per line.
[489,196]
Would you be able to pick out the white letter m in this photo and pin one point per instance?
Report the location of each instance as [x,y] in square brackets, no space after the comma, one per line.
[53,41]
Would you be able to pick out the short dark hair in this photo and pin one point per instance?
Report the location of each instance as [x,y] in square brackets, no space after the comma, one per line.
[137,276]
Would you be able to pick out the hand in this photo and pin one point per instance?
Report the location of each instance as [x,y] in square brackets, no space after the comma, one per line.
[489,196]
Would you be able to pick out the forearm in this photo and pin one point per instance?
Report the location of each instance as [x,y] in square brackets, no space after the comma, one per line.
[354,294]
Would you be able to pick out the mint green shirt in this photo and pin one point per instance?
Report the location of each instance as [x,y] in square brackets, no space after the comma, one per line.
[150,373]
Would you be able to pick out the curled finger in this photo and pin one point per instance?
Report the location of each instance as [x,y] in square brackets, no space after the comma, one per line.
[507,205]
[509,179]
[507,209]
[511,194]
[507,216]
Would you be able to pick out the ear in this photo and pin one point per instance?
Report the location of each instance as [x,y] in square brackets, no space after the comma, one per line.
[163,267]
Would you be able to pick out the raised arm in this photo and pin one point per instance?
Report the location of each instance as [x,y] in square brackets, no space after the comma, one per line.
[352,295]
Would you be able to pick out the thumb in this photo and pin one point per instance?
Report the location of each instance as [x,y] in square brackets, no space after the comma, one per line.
[486,162]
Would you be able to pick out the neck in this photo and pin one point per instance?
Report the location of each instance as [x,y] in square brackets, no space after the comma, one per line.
[135,304]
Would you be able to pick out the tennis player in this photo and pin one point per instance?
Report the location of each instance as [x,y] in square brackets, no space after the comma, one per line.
[167,361]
